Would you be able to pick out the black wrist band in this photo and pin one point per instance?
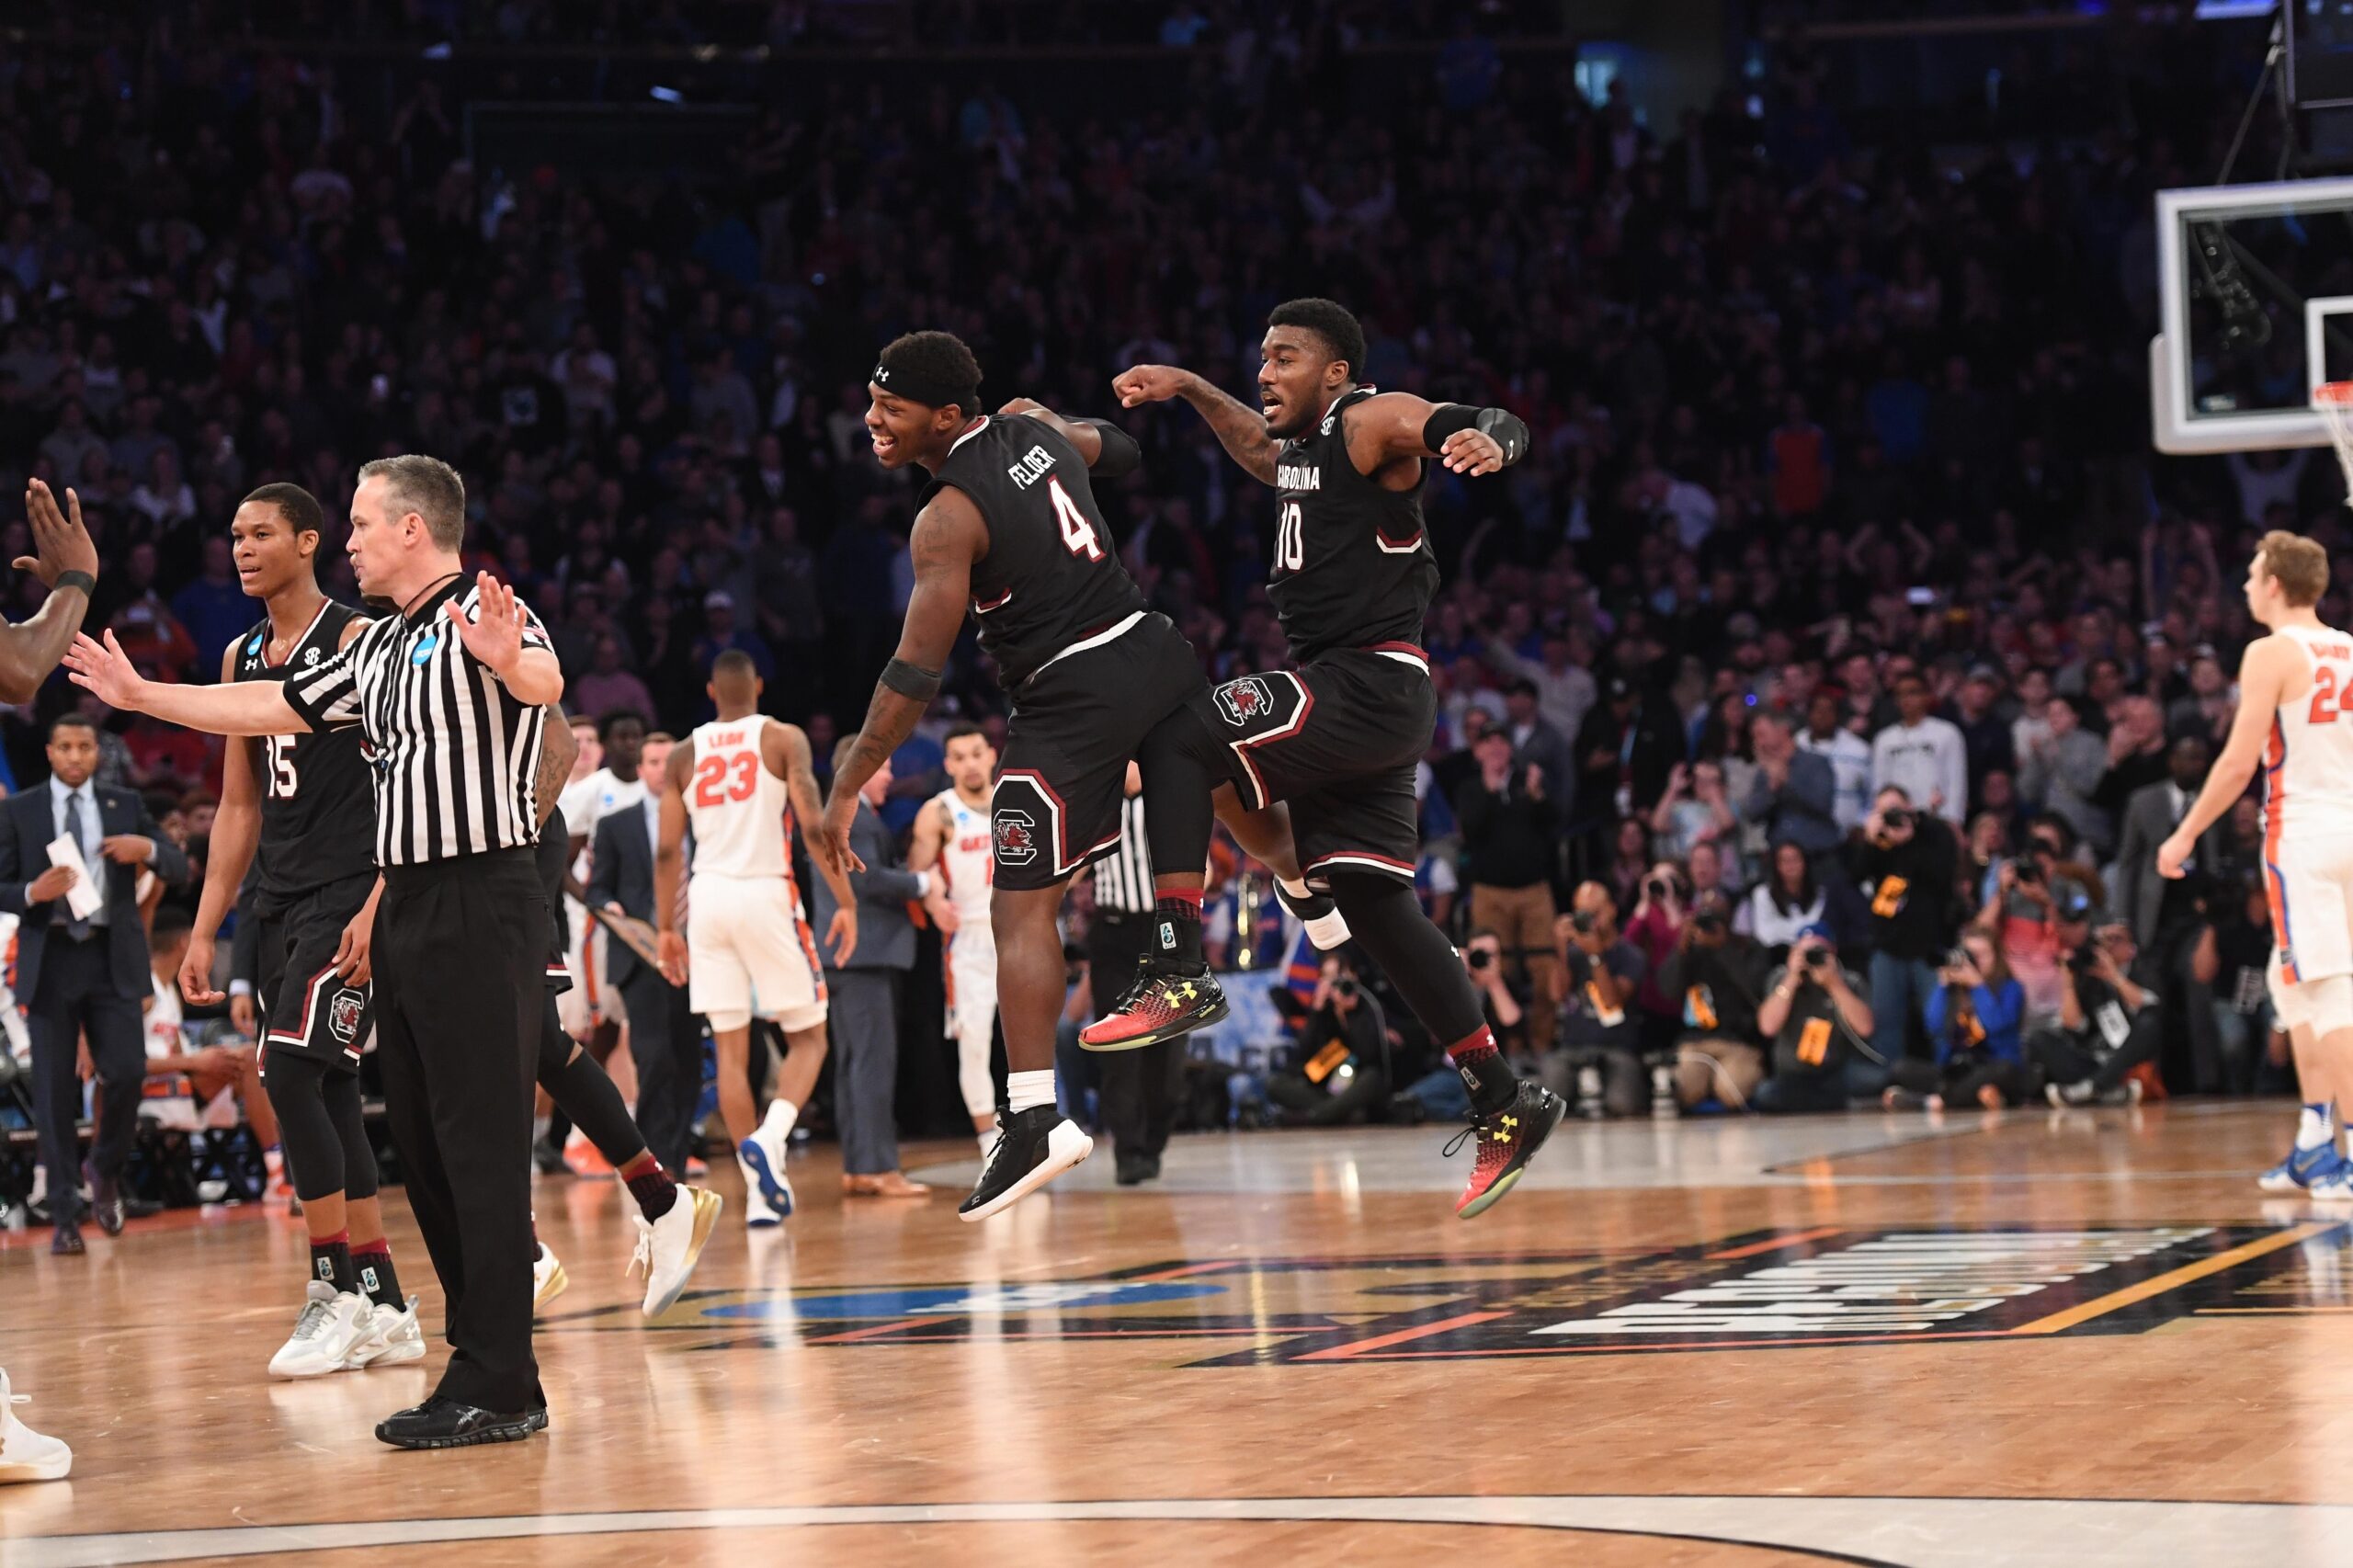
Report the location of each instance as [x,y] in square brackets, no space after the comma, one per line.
[911,681]
[70,579]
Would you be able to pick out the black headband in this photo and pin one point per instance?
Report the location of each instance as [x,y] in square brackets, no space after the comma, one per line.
[931,394]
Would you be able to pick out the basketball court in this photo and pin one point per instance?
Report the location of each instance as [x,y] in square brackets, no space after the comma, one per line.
[2048,1338]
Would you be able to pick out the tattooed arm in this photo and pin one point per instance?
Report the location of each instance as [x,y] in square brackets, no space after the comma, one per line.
[949,536]
[1240,428]
[558,748]
[785,749]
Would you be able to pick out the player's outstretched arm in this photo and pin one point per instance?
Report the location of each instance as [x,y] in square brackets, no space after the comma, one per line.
[1464,439]
[242,708]
[785,749]
[30,650]
[1240,428]
[949,535]
[1109,451]
[2263,676]
[236,831]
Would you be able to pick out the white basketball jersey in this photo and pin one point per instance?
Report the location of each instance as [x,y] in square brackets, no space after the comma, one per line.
[738,808]
[2308,766]
[965,859]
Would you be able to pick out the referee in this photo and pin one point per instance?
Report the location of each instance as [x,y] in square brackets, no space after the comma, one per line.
[1141,1087]
[450,696]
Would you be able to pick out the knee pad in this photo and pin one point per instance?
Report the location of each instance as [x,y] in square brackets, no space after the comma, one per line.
[2326,1004]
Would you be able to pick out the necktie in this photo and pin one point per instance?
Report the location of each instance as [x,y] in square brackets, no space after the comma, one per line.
[78,930]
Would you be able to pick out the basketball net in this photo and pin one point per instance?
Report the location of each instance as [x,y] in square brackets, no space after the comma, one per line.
[2333,401]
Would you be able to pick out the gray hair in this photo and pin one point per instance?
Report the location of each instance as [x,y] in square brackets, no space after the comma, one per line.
[429,487]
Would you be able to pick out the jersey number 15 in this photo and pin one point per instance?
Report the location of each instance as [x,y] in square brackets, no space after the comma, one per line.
[278,753]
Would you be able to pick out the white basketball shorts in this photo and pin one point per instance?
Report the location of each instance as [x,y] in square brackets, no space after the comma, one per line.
[749,950]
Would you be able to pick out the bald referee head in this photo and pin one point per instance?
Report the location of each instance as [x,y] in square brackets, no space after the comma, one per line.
[408,525]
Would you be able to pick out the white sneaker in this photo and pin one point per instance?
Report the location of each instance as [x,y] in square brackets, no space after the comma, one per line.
[332,1322]
[392,1338]
[759,1212]
[25,1454]
[2336,1187]
[548,1278]
[668,1247]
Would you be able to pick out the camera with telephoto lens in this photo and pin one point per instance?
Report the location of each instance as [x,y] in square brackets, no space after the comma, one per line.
[2027,868]
[1958,958]
[1895,818]
[2083,958]
[1582,922]
[1816,956]
[1708,923]
[1345,987]
[1479,958]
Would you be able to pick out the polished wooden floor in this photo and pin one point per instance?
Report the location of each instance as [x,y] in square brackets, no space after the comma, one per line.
[2078,1338]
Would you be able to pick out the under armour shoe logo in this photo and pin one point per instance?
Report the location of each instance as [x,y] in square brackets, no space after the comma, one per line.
[1168,935]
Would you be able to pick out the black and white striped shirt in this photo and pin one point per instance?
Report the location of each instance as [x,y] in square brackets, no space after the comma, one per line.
[456,757]
[1123,877]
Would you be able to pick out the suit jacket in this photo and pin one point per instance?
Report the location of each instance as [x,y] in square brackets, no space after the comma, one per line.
[28,826]
[622,873]
[2149,821]
[886,937]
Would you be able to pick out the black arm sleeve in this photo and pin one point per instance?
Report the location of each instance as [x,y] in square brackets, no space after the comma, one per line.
[1121,455]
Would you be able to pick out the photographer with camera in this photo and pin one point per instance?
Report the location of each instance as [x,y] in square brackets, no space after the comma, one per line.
[1716,976]
[1655,930]
[1339,1072]
[1441,1093]
[2030,900]
[1600,1063]
[1972,1016]
[2109,1022]
[1821,1031]
[1907,862]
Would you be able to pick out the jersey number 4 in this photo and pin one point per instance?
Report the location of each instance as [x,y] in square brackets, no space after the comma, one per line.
[278,752]
[1079,534]
[2327,705]
[714,787]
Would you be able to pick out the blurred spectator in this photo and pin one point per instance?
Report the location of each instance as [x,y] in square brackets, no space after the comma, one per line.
[213,606]
[1694,810]
[2243,1016]
[1974,1020]
[1598,1064]
[1791,898]
[1794,799]
[1849,755]
[1535,743]
[1627,746]
[1716,976]
[1985,735]
[1905,862]
[2169,917]
[2063,772]
[1337,1075]
[606,686]
[1507,822]
[1819,1028]
[1922,755]
[1564,687]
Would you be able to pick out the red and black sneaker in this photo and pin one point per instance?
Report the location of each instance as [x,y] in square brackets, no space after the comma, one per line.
[1507,1140]
[1159,1005]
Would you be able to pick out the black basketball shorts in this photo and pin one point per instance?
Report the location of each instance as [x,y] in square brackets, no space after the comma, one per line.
[1076,724]
[1339,740]
[305,1006]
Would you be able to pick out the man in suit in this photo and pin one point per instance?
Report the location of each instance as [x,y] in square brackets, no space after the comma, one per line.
[669,1058]
[2169,916]
[864,998]
[83,978]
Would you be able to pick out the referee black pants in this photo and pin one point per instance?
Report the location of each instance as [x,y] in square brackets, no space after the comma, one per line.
[460,957]
[1141,1089]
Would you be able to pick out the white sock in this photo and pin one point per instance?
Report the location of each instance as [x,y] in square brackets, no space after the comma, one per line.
[2313,1127]
[782,1116]
[1026,1091]
[1296,888]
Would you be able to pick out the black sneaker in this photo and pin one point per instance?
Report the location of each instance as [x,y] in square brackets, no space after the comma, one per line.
[1033,1147]
[442,1423]
[1136,1169]
[1507,1140]
[1159,1005]
[548,1155]
[1326,927]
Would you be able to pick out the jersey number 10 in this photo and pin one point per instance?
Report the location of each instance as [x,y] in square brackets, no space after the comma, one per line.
[1290,539]
[713,788]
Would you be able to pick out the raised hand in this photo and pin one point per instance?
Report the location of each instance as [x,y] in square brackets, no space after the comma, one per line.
[60,541]
[494,636]
[1471,452]
[1141,384]
[105,669]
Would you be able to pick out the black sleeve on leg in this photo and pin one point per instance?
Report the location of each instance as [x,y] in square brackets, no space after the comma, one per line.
[341,1092]
[1177,759]
[1421,964]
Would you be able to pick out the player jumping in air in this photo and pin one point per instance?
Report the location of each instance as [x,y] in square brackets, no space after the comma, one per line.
[1338,737]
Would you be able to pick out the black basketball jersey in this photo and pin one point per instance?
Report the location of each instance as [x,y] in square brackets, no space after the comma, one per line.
[1353,566]
[318,789]
[1053,575]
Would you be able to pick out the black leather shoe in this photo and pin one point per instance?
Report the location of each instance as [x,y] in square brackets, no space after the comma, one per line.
[1135,1169]
[443,1423]
[548,1155]
[108,1213]
[140,1209]
[67,1240]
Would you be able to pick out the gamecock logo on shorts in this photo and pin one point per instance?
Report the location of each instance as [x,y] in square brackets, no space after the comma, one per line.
[1245,699]
[343,1015]
[1017,838]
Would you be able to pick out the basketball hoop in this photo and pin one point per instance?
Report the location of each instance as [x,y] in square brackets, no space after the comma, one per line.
[2333,401]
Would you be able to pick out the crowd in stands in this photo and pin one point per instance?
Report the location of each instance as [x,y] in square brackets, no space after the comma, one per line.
[1806,693]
